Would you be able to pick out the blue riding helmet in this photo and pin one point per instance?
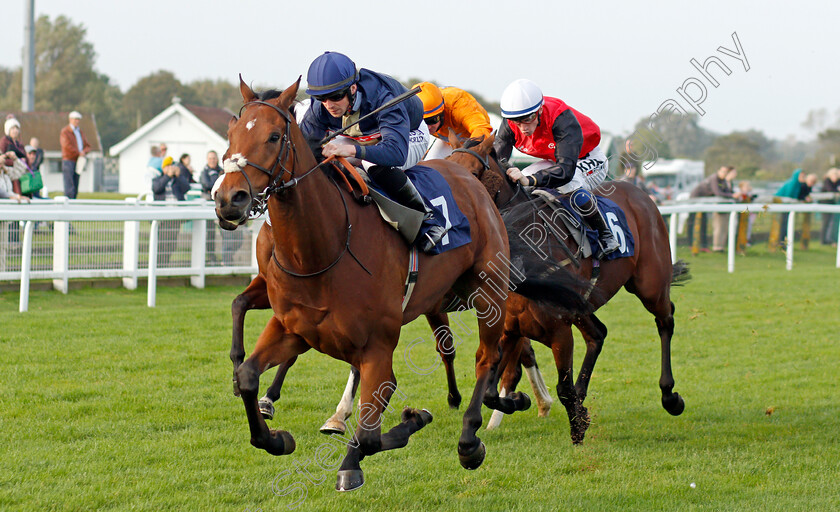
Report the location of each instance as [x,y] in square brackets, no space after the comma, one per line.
[330,72]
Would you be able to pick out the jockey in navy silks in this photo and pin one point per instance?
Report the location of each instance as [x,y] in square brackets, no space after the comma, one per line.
[386,143]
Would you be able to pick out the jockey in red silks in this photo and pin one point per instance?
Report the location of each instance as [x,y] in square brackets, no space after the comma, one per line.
[386,144]
[566,141]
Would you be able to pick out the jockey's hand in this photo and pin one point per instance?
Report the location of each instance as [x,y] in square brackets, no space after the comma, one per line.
[334,148]
[516,175]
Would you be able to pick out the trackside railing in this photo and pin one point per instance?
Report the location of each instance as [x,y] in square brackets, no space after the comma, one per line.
[133,239]
[114,239]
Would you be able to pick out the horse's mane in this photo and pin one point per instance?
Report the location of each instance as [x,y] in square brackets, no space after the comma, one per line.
[270,94]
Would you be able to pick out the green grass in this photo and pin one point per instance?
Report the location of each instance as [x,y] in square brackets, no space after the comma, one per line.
[109,405]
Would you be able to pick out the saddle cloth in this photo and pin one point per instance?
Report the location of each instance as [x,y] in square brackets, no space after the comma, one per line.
[438,196]
[613,215]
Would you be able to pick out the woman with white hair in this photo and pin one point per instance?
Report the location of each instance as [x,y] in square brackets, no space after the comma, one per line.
[11,148]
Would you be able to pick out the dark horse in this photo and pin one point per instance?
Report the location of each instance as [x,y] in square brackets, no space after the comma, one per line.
[350,307]
[648,274]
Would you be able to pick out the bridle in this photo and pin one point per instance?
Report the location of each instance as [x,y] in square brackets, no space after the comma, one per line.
[486,167]
[259,202]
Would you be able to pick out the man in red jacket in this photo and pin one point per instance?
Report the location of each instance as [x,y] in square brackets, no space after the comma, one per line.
[73,145]
[566,141]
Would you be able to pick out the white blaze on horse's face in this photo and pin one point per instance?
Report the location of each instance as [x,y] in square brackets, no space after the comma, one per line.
[251,124]
[216,186]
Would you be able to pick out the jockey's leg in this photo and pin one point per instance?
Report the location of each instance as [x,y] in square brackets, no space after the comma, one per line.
[589,173]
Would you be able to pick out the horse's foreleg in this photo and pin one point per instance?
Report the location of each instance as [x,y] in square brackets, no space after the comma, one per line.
[378,386]
[254,297]
[594,333]
[273,346]
[336,423]
[562,346]
[445,344]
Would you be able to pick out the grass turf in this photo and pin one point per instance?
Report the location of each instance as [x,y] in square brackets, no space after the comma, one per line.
[109,405]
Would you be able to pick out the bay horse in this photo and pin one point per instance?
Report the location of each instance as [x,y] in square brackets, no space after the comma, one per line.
[350,307]
[648,274]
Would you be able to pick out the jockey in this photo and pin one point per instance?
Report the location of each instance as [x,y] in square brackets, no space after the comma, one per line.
[386,144]
[448,109]
[565,139]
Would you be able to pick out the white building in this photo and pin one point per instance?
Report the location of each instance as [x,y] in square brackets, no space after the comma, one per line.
[184,128]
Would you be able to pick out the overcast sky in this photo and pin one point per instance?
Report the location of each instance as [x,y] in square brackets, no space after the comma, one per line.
[615,61]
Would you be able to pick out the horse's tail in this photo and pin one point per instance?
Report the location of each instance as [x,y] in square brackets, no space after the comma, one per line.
[537,275]
[680,273]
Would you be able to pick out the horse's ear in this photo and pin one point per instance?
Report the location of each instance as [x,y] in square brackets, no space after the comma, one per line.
[487,143]
[453,140]
[247,94]
[231,122]
[288,96]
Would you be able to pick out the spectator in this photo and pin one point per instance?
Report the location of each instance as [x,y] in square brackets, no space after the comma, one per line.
[184,164]
[744,194]
[208,178]
[32,164]
[39,154]
[831,184]
[11,148]
[155,161]
[171,182]
[163,150]
[796,187]
[719,220]
[74,145]
[713,186]
[8,174]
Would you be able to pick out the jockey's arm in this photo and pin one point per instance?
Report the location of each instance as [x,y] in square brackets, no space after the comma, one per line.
[568,139]
[392,148]
[503,144]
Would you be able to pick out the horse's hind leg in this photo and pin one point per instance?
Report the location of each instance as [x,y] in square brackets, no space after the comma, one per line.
[562,346]
[594,332]
[254,297]
[336,423]
[672,402]
[273,392]
[378,386]
[528,359]
[445,344]
[273,346]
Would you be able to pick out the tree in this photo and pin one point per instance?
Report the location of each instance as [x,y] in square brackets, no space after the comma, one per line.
[827,153]
[152,94]
[682,134]
[738,149]
[216,93]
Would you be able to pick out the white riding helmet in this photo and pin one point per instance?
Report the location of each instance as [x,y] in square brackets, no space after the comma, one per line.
[521,97]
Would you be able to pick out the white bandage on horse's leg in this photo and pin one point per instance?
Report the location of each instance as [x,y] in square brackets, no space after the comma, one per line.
[496,417]
[541,394]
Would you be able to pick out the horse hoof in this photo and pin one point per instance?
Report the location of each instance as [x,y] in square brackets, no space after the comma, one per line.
[349,480]
[423,417]
[522,400]
[473,460]
[674,404]
[579,426]
[333,426]
[543,408]
[279,442]
[454,401]
[266,408]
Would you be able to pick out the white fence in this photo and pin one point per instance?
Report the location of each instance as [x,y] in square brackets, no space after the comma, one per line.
[63,240]
[114,239]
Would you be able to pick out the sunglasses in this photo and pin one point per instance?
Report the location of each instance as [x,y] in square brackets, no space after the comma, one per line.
[433,119]
[333,96]
[525,119]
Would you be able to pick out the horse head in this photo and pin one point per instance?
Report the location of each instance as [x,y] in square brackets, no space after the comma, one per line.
[260,157]
[478,156]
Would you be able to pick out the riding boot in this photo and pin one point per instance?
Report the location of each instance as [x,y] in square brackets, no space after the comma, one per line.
[402,190]
[593,218]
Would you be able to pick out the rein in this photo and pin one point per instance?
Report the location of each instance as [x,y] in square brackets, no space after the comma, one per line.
[259,202]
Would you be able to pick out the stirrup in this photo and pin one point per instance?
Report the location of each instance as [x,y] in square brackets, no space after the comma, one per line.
[608,243]
[431,238]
